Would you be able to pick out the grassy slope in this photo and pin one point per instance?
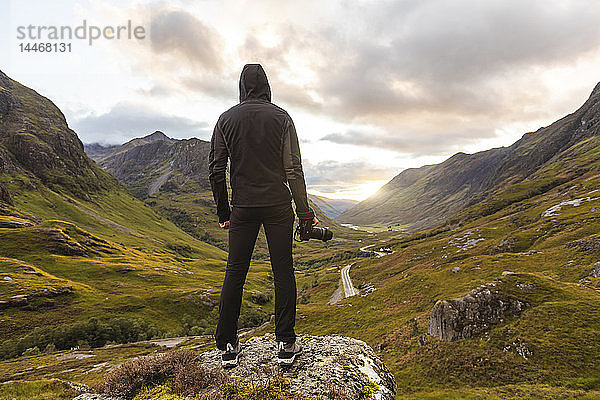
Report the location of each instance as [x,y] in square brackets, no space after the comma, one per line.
[562,329]
[129,260]
[136,263]
[194,212]
[125,242]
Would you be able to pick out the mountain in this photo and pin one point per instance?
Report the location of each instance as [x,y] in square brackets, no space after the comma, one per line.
[147,164]
[84,263]
[35,141]
[172,177]
[501,302]
[424,197]
[506,295]
[332,207]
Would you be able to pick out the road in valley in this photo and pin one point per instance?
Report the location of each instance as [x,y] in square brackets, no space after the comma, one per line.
[379,253]
[349,289]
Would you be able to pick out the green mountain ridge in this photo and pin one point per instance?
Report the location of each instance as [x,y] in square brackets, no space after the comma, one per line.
[102,267]
[171,176]
[331,207]
[423,197]
[75,246]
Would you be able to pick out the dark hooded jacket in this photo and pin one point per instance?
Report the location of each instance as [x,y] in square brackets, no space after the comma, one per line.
[259,139]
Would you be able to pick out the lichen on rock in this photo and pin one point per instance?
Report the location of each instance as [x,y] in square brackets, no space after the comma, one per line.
[328,362]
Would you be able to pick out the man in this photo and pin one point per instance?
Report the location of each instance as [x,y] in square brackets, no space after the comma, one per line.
[260,141]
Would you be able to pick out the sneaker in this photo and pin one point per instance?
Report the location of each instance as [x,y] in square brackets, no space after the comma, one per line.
[288,352]
[231,356]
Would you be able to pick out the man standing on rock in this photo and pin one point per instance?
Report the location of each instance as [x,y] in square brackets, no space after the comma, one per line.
[260,141]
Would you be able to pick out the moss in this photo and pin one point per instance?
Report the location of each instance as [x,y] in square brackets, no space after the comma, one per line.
[158,392]
[369,389]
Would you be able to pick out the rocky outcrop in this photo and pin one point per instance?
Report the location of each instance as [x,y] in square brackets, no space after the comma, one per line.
[93,396]
[14,222]
[4,194]
[346,364]
[60,243]
[334,364]
[474,313]
[587,245]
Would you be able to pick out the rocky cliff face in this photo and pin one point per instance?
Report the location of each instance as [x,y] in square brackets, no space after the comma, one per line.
[426,196]
[474,313]
[35,140]
[156,161]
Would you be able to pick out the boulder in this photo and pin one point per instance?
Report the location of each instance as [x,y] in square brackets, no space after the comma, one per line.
[18,300]
[595,271]
[474,313]
[4,194]
[588,245]
[338,362]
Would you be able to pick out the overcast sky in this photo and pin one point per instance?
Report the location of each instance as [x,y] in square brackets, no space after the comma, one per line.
[373,86]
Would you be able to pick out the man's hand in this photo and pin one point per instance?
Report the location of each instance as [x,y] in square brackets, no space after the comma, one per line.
[315,221]
[225,225]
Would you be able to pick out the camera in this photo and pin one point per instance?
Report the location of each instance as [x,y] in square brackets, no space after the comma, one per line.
[305,231]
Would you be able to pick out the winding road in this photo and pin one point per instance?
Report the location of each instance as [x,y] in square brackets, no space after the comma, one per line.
[379,253]
[349,289]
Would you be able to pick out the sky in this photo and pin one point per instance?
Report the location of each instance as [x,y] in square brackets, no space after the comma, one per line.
[374,87]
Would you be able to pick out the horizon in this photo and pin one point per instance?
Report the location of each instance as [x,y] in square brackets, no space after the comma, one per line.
[373,87]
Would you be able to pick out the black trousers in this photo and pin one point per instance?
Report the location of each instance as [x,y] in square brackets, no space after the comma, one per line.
[245,223]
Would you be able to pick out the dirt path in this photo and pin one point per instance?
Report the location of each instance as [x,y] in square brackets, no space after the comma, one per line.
[337,295]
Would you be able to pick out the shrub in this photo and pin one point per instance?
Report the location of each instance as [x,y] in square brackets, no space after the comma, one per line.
[189,375]
[261,298]
[252,318]
[180,374]
[184,250]
[50,348]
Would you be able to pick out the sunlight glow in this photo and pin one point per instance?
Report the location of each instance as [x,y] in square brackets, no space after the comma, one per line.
[358,192]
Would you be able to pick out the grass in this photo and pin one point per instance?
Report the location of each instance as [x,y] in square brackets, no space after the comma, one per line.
[560,328]
[121,257]
[43,389]
[134,263]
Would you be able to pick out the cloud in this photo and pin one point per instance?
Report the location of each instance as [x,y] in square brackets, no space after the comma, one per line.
[126,121]
[449,57]
[179,33]
[414,141]
[340,174]
[432,76]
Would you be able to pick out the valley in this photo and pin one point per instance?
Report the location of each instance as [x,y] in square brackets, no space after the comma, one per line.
[486,286]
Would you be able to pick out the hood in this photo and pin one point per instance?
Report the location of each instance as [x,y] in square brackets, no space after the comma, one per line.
[254,83]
